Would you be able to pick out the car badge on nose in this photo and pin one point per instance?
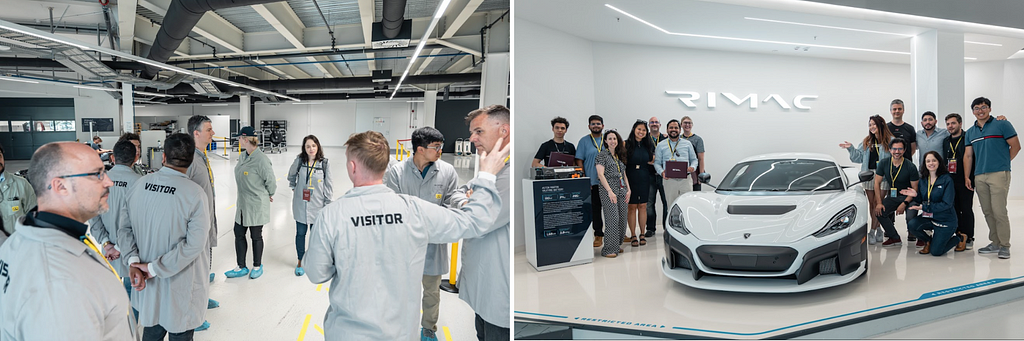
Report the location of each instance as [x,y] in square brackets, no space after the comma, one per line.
[746,236]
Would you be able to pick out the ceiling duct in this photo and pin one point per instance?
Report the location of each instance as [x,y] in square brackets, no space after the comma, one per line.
[393,30]
[182,16]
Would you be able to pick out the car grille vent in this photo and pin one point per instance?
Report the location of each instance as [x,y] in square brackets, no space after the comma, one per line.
[760,209]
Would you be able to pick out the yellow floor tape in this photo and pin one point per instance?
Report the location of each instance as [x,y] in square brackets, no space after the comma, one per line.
[447,333]
[305,325]
[318,329]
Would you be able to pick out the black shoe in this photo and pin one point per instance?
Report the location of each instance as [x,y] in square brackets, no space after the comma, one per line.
[650,233]
[911,238]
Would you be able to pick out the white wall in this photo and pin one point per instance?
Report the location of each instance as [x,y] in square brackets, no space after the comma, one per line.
[88,104]
[333,121]
[1000,82]
[553,76]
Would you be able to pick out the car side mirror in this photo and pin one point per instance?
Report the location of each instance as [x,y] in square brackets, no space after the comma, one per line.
[704,178]
[866,176]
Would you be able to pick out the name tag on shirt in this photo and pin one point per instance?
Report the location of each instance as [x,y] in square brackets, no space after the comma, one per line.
[306,193]
[951,166]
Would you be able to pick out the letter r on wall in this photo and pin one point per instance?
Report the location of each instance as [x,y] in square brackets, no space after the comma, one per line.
[687,97]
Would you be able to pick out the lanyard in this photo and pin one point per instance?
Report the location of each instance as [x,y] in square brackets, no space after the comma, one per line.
[507,157]
[88,242]
[893,177]
[309,176]
[207,158]
[596,145]
[560,150]
[672,149]
[953,148]
[931,182]
[618,171]
[655,138]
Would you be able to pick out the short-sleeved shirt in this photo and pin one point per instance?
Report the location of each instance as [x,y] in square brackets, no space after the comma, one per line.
[587,150]
[614,169]
[696,141]
[991,151]
[904,131]
[953,150]
[927,143]
[94,146]
[546,148]
[899,177]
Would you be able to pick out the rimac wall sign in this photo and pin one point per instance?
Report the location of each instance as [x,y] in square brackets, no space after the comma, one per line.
[689,99]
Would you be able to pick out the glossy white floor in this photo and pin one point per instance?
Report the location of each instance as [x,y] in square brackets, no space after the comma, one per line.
[631,290]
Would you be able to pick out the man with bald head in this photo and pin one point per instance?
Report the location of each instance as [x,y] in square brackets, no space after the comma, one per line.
[56,284]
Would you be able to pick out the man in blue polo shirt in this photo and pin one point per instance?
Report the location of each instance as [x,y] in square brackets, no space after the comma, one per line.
[994,143]
[586,152]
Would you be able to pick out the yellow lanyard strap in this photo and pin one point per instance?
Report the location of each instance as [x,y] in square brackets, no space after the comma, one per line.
[672,149]
[309,176]
[893,177]
[596,145]
[208,166]
[953,148]
[930,183]
[88,242]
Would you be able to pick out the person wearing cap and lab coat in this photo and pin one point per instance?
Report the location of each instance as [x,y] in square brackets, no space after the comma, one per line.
[164,234]
[427,177]
[17,198]
[201,129]
[312,189]
[484,280]
[56,283]
[371,243]
[254,178]
[104,226]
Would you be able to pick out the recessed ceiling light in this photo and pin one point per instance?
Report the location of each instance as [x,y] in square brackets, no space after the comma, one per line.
[970,58]
[99,88]
[832,27]
[215,105]
[423,41]
[16,79]
[980,43]
[750,40]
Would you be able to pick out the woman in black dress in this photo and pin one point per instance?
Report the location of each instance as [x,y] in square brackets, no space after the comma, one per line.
[639,170]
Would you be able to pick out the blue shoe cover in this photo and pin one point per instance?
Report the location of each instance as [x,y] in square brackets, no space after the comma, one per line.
[212,304]
[211,277]
[205,326]
[256,273]
[236,273]
[299,271]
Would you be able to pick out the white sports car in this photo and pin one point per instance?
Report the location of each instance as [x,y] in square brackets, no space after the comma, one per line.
[777,223]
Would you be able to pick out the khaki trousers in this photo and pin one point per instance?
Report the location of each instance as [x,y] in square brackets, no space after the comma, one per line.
[431,301]
[992,189]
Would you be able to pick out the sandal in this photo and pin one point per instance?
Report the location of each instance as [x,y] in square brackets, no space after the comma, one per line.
[613,255]
[643,241]
[635,242]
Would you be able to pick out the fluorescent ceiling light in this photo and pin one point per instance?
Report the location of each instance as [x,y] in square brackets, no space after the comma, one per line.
[423,41]
[750,40]
[307,102]
[414,101]
[96,88]
[832,27]
[140,106]
[215,105]
[152,94]
[970,58]
[16,79]
[980,43]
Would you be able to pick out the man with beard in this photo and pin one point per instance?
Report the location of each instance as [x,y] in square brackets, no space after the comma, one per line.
[586,152]
[674,149]
[900,174]
[657,186]
[56,283]
[929,138]
[953,149]
[18,198]
[559,125]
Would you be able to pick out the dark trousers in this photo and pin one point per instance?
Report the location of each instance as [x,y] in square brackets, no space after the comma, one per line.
[963,203]
[300,238]
[595,205]
[943,239]
[485,331]
[657,186]
[696,187]
[128,286]
[888,216]
[157,333]
[241,246]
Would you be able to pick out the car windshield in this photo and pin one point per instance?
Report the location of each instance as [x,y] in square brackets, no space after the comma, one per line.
[783,176]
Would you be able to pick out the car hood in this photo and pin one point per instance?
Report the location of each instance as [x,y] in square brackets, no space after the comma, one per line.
[768,219]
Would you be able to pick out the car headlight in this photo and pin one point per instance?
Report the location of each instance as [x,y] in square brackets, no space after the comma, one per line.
[675,220]
[840,221]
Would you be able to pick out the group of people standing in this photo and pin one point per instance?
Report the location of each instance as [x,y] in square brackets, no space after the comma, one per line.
[626,175]
[938,196]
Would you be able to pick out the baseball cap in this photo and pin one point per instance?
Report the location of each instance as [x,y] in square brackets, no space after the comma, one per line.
[247,131]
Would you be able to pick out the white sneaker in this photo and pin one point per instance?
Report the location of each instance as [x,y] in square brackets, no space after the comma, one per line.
[871,238]
[879,235]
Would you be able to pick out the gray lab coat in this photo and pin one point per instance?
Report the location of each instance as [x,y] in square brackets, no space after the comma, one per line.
[322,193]
[57,288]
[375,264]
[17,197]
[168,226]
[199,173]
[254,178]
[484,280]
[104,226]
[437,187]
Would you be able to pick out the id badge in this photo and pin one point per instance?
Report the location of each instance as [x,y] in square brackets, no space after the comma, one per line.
[892,192]
[622,183]
[306,193]
[951,166]
[926,215]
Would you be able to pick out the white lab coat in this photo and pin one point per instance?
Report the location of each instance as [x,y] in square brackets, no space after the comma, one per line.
[202,176]
[323,189]
[436,187]
[104,226]
[375,267]
[56,288]
[170,231]
[484,280]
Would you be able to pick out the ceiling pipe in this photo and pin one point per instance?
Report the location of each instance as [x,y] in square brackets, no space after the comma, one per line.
[328,83]
[181,18]
[49,63]
[392,15]
[297,54]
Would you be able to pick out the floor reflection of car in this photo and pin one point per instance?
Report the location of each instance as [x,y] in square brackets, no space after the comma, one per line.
[776,223]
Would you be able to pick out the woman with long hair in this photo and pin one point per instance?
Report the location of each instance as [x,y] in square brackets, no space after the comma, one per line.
[639,170]
[312,189]
[935,201]
[256,184]
[871,150]
[614,190]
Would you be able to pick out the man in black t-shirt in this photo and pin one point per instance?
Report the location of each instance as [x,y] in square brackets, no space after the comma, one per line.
[558,144]
[901,174]
[905,131]
[953,148]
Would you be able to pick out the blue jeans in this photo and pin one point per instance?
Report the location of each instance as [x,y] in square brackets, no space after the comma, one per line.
[128,286]
[300,238]
[943,239]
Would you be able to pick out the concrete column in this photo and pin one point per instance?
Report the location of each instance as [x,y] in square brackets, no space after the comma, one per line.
[244,110]
[127,108]
[937,68]
[429,109]
[494,80]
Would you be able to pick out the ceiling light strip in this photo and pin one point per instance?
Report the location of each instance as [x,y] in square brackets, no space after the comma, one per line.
[55,38]
[980,43]
[96,88]
[16,79]
[826,26]
[423,42]
[751,40]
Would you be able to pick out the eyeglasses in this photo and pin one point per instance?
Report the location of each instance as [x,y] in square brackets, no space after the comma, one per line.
[690,123]
[641,121]
[896,149]
[980,108]
[655,122]
[596,124]
[99,175]
[437,148]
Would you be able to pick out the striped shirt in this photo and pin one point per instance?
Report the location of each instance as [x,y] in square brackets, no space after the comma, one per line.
[991,152]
